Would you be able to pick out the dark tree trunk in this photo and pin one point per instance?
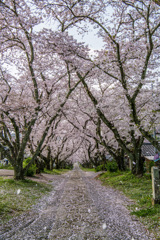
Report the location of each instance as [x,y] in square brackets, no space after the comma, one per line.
[103,159]
[57,166]
[120,160]
[96,162]
[51,163]
[40,165]
[48,159]
[57,162]
[47,165]
[18,171]
[138,163]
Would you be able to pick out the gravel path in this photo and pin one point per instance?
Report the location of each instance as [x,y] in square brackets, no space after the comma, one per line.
[79,208]
[5,172]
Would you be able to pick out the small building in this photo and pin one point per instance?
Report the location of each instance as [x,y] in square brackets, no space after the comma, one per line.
[148,152]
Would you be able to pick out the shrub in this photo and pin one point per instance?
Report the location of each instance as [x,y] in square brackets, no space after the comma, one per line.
[112,166]
[151,164]
[31,170]
[100,168]
[9,166]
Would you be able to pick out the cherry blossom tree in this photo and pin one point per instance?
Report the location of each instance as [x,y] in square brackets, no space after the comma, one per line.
[99,140]
[60,145]
[113,103]
[29,96]
[129,58]
[157,2]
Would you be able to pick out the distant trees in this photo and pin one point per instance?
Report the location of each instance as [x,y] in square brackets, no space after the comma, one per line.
[129,60]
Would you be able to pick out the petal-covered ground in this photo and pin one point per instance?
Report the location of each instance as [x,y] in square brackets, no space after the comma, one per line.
[79,208]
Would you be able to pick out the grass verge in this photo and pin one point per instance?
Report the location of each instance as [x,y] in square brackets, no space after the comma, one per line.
[8,167]
[19,196]
[140,191]
[88,169]
[55,171]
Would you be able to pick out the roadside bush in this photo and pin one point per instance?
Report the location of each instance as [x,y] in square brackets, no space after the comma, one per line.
[100,168]
[112,166]
[151,164]
[9,166]
[69,167]
[31,170]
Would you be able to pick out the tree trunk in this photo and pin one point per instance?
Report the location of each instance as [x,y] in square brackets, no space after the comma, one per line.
[57,166]
[18,171]
[120,160]
[48,165]
[40,166]
[51,163]
[57,163]
[48,158]
[138,163]
[96,161]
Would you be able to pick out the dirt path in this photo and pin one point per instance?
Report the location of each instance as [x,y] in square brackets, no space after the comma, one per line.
[5,172]
[79,208]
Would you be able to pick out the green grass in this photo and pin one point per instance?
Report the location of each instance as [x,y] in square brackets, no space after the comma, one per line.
[88,169]
[140,191]
[8,167]
[55,171]
[19,196]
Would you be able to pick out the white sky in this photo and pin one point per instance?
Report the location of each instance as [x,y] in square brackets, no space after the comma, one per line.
[89,38]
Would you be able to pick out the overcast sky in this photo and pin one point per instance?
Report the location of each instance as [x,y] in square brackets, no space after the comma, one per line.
[89,38]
